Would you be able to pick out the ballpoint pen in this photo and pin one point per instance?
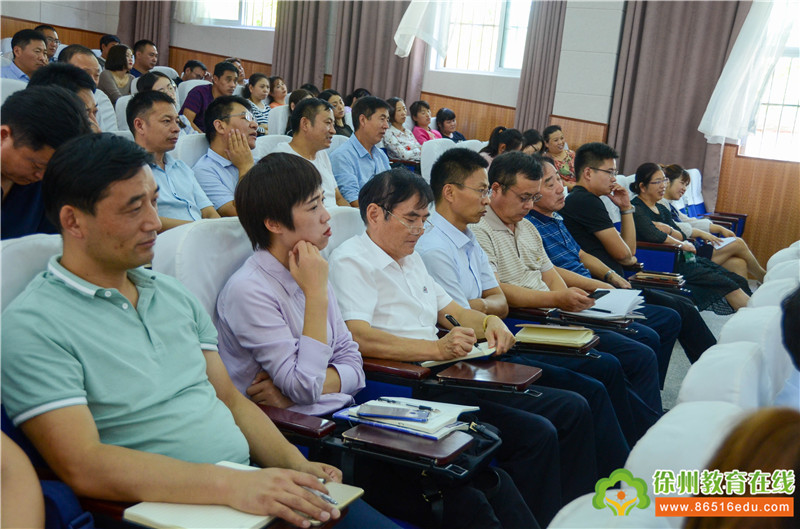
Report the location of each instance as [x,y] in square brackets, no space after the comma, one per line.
[452,320]
[391,401]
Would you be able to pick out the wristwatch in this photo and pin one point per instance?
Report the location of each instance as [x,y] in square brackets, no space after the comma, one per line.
[628,211]
[608,274]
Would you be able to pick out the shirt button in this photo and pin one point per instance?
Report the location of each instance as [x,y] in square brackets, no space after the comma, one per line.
[107,293]
[125,306]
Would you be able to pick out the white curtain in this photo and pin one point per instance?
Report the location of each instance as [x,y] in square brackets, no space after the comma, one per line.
[192,12]
[427,20]
[731,112]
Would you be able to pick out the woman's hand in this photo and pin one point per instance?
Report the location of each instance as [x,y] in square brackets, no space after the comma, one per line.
[688,247]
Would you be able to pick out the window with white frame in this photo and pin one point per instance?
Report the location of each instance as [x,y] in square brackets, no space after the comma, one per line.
[777,121]
[245,13]
[486,36]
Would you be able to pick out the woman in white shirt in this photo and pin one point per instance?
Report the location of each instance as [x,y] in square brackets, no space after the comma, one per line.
[400,143]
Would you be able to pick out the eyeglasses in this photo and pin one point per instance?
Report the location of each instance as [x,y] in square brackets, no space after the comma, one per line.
[413,230]
[484,192]
[533,199]
[246,115]
[170,87]
[658,182]
[612,172]
[51,40]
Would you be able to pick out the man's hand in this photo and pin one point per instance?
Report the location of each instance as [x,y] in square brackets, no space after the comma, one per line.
[498,335]
[279,492]
[620,197]
[456,343]
[618,281]
[574,300]
[309,268]
[238,151]
[264,391]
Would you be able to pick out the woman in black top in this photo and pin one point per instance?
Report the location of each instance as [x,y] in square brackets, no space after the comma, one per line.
[708,281]
[335,99]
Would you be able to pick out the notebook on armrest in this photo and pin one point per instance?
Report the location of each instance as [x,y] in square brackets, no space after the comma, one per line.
[493,373]
[441,452]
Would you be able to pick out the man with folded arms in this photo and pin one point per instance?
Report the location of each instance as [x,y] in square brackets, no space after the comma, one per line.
[154,123]
[141,413]
[528,278]
[392,306]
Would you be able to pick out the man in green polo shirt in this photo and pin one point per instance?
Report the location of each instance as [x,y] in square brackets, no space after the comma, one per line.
[112,370]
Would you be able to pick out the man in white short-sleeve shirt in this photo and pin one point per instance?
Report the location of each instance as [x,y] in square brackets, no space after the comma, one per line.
[312,122]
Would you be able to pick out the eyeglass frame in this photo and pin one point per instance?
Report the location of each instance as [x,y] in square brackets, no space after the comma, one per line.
[170,85]
[413,230]
[610,172]
[533,199]
[485,193]
[659,182]
[244,115]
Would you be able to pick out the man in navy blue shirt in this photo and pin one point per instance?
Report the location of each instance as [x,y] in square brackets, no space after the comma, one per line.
[33,124]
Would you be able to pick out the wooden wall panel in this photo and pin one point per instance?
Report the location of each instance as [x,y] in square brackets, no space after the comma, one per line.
[179,56]
[769,192]
[475,119]
[90,39]
[578,131]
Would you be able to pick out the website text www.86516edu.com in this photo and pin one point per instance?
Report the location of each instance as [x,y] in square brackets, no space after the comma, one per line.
[742,506]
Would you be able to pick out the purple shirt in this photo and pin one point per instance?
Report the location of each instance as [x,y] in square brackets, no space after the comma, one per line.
[261,312]
[197,100]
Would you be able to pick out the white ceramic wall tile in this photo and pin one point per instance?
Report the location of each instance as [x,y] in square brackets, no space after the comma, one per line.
[23,10]
[586,73]
[490,89]
[617,6]
[253,44]
[582,106]
[592,30]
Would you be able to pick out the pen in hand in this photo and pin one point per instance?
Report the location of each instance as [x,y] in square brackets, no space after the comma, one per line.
[452,320]
[322,495]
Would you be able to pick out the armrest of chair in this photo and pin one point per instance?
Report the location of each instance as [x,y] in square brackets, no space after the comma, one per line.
[404,162]
[395,368]
[726,214]
[299,423]
[659,247]
[635,267]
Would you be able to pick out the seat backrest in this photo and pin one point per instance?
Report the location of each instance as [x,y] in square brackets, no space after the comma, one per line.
[22,259]
[781,256]
[348,119]
[772,293]
[475,145]
[166,70]
[266,144]
[408,124]
[694,194]
[5,45]
[277,119]
[431,150]
[729,372]
[120,109]
[185,87]
[124,134]
[785,270]
[581,513]
[345,223]
[203,255]
[190,148]
[9,86]
[762,325]
[238,90]
[336,142]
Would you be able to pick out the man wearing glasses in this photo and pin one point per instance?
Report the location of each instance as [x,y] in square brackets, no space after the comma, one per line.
[51,39]
[200,97]
[231,134]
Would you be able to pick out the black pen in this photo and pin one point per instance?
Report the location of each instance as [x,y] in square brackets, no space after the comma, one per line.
[452,320]
[424,408]
[600,310]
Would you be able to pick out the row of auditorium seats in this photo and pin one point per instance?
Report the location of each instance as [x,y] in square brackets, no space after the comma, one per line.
[749,368]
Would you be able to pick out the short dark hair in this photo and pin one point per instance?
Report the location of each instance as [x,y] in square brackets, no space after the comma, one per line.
[72,50]
[108,39]
[311,88]
[358,93]
[529,138]
[511,138]
[64,75]
[790,324]
[221,67]
[392,102]
[146,81]
[307,108]
[42,116]
[507,166]
[549,131]
[117,58]
[41,27]
[675,171]
[326,95]
[221,106]
[444,114]
[454,166]
[81,170]
[644,175]
[367,106]
[192,64]
[592,154]
[140,45]
[415,107]
[390,188]
[24,37]
[254,78]
[142,102]
[270,190]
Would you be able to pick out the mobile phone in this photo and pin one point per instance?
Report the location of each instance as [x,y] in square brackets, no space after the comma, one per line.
[393,412]
[597,294]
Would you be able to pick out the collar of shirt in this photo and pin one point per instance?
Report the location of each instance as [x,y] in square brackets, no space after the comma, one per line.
[554,217]
[18,74]
[494,221]
[270,264]
[378,255]
[459,238]
[139,276]
[224,162]
[361,152]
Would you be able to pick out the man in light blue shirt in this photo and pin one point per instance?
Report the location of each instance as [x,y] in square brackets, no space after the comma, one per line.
[231,133]
[358,160]
[154,124]
[30,54]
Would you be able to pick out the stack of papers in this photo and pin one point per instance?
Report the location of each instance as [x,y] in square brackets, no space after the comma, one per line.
[617,304]
[480,350]
[181,515]
[573,337]
[442,421]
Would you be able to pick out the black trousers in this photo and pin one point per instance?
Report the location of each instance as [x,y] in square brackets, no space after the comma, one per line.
[695,336]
